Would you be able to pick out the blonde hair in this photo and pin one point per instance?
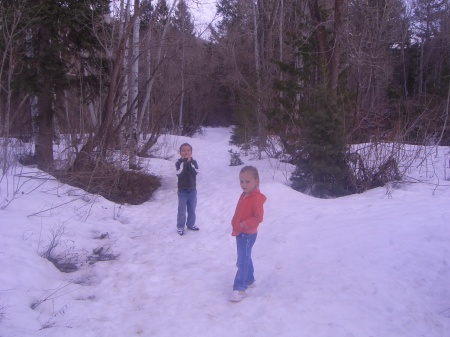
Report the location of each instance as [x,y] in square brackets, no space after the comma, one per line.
[253,170]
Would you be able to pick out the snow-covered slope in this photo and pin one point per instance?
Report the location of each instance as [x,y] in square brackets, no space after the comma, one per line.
[374,264]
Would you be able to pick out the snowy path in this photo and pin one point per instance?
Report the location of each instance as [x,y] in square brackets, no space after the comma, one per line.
[367,265]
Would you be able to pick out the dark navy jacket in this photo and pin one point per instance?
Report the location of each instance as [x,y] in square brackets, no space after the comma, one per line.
[187,173]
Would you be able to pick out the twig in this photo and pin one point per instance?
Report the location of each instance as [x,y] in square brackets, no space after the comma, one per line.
[423,182]
[49,297]
[51,208]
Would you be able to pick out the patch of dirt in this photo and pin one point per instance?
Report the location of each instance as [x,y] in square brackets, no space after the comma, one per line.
[117,185]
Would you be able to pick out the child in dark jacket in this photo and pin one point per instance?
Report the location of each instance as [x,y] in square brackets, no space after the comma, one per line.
[247,217]
[187,190]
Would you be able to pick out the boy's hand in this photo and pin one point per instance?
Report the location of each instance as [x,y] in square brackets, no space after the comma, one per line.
[178,163]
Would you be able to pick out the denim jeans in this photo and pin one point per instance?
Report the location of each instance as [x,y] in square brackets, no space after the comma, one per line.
[187,201]
[245,273]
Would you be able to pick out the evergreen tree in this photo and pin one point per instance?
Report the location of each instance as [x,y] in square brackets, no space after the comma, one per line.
[182,19]
[185,42]
[161,12]
[431,20]
[146,9]
[63,36]
[308,119]
[321,169]
[238,74]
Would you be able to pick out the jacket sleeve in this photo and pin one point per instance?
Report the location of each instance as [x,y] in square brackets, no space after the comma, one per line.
[194,164]
[235,221]
[178,165]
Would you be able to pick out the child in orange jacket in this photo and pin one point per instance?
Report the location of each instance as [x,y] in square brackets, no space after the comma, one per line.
[247,217]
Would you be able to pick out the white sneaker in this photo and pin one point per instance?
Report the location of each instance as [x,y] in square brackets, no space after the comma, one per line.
[237,295]
[251,285]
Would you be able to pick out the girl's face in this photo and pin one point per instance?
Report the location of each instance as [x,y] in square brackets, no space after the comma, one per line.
[248,182]
[186,152]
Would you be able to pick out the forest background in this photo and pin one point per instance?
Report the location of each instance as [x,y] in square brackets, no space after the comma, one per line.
[335,87]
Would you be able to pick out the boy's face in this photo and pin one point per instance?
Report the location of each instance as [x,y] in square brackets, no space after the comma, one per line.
[186,152]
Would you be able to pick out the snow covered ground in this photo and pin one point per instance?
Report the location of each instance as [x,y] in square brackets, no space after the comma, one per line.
[368,265]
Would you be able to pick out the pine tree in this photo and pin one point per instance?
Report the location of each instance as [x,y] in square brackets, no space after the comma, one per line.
[62,36]
[321,168]
[308,119]
[241,75]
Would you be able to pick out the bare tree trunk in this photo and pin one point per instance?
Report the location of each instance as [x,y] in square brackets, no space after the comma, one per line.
[134,88]
[259,114]
[336,49]
[34,119]
[104,133]
[4,131]
[6,122]
[328,54]
[9,30]
[421,62]
[444,127]
[180,120]
[44,143]
[89,104]
[33,99]
[280,40]
[124,98]
[145,111]
[151,81]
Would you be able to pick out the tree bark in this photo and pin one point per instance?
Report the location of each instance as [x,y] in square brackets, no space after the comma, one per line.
[257,53]
[149,87]
[44,143]
[103,136]
[134,88]
[329,53]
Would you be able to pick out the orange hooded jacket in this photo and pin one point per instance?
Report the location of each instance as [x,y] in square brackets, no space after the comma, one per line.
[250,212]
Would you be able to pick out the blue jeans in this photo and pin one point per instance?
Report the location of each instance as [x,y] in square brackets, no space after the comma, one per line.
[245,273]
[187,201]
